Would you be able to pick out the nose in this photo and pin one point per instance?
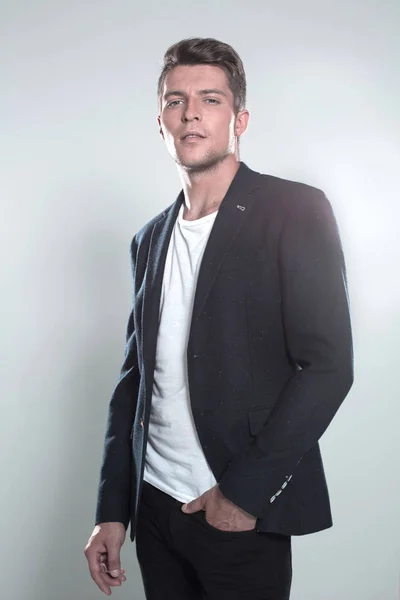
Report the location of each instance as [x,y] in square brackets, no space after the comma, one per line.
[191,112]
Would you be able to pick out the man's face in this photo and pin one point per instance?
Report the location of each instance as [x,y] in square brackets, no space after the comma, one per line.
[198,99]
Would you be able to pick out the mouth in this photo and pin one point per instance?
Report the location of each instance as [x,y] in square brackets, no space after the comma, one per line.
[192,135]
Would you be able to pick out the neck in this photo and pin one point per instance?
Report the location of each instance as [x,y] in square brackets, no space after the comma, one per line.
[204,191]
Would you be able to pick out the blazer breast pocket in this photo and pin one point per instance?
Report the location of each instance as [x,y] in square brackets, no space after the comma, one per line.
[258,417]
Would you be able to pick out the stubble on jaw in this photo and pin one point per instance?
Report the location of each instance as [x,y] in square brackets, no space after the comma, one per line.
[207,164]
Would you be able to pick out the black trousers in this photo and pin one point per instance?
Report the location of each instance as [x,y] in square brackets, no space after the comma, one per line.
[182,557]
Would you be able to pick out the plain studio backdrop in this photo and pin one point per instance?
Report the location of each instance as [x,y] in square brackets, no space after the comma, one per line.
[83,168]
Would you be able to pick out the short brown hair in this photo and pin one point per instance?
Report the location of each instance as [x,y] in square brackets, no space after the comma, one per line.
[207,51]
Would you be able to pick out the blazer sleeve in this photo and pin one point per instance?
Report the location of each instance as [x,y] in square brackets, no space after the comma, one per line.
[114,492]
[316,320]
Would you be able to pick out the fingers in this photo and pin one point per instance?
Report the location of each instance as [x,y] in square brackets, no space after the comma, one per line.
[99,571]
[96,573]
[105,571]
[112,581]
[113,560]
[104,580]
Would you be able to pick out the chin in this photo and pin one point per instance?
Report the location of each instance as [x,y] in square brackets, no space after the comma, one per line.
[198,165]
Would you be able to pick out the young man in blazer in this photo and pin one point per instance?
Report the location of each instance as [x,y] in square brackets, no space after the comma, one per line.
[238,355]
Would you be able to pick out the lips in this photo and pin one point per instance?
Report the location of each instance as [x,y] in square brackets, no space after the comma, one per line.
[192,134]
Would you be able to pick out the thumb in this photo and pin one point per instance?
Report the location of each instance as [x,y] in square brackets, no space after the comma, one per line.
[113,561]
[193,506]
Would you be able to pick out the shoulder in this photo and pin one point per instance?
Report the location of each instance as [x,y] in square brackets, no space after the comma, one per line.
[292,199]
[291,191]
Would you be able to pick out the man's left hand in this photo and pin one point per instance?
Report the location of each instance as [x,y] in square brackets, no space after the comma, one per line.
[221,513]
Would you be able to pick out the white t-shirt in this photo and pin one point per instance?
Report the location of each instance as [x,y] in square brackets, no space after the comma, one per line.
[175,462]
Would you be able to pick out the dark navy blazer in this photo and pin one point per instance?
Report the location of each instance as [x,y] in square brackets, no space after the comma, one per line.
[269,355]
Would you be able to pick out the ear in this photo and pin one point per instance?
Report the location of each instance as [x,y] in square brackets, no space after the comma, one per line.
[242,121]
[160,128]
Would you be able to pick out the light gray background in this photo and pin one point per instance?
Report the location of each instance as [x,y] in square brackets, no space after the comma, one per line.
[83,169]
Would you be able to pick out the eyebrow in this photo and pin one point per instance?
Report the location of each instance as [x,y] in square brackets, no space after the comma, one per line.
[200,92]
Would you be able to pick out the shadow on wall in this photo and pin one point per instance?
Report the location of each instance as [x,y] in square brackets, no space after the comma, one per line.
[95,297]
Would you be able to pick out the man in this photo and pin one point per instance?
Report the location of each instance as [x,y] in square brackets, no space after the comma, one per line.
[238,355]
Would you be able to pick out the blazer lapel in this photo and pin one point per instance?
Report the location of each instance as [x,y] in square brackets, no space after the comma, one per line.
[232,214]
[158,249]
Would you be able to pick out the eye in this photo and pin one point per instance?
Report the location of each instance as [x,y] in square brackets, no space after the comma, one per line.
[212,100]
[173,103]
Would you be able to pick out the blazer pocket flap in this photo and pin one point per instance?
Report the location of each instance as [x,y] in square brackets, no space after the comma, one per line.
[258,417]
